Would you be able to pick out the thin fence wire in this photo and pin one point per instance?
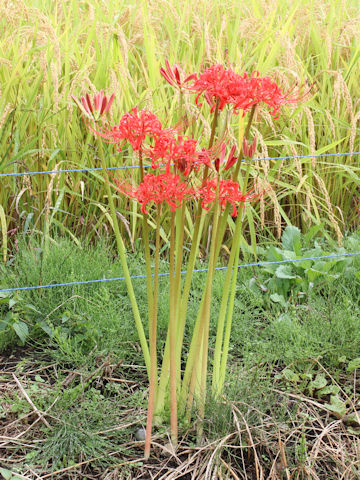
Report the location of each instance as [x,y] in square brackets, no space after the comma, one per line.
[127,167]
[164,274]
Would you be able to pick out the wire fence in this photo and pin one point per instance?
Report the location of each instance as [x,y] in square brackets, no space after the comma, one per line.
[127,167]
[165,274]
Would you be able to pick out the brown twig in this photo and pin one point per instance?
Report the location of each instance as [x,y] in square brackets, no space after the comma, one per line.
[28,399]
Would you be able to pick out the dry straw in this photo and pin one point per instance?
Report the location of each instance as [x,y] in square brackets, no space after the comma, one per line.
[311,133]
[71,57]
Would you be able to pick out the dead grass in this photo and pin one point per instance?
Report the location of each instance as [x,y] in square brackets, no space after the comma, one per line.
[311,445]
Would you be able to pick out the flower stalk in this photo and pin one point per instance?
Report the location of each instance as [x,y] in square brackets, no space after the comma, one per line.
[229,288]
[153,337]
[172,337]
[145,233]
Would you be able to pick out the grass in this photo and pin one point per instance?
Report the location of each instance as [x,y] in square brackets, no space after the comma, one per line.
[88,375]
[51,51]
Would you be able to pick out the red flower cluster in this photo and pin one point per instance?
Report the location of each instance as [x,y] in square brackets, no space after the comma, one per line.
[179,150]
[133,127]
[217,84]
[225,87]
[166,187]
[229,192]
[266,91]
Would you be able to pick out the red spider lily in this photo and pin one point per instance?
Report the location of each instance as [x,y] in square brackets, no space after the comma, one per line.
[166,187]
[173,76]
[179,150]
[229,192]
[96,108]
[221,160]
[264,90]
[249,150]
[162,148]
[216,83]
[133,127]
[225,87]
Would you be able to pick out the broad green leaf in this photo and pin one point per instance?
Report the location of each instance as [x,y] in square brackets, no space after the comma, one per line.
[312,232]
[288,255]
[22,330]
[284,271]
[3,325]
[337,406]
[313,274]
[290,375]
[46,328]
[274,254]
[291,239]
[354,431]
[253,286]
[6,474]
[284,318]
[353,365]
[276,298]
[329,390]
[12,302]
[353,419]
[318,383]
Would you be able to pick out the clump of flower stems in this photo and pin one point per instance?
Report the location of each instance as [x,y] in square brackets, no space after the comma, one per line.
[183,171]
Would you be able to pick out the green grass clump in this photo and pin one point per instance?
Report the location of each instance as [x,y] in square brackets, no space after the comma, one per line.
[49,52]
[81,317]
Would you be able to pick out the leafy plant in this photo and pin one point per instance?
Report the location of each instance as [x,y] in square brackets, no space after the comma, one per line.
[17,318]
[291,281]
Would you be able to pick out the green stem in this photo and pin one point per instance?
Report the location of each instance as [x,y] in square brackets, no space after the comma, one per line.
[187,282]
[233,270]
[182,311]
[234,254]
[221,380]
[152,339]
[180,217]
[193,355]
[145,234]
[172,335]
[122,255]
[217,385]
[201,330]
[246,134]
[214,124]
[199,221]
[207,303]
[192,388]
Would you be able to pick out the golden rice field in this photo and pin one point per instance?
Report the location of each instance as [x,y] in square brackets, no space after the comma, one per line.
[52,50]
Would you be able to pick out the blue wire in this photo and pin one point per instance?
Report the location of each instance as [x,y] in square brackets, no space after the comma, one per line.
[148,166]
[257,264]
